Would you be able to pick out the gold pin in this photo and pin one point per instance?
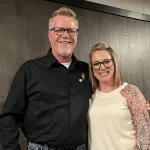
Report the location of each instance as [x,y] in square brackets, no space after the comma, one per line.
[83,76]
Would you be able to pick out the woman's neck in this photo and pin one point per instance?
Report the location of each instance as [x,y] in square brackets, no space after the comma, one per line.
[106,88]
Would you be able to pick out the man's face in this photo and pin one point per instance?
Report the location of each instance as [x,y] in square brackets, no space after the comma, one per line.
[63,45]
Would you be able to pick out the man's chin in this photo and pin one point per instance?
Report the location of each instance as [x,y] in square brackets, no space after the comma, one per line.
[65,55]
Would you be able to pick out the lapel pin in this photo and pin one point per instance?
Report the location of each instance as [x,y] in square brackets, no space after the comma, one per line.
[83,76]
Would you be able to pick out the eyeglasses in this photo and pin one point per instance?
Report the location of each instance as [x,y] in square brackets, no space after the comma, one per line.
[60,31]
[97,64]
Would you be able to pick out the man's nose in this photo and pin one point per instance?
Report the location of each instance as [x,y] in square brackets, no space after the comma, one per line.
[65,33]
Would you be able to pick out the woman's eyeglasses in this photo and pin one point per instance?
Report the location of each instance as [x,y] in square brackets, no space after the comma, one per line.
[97,64]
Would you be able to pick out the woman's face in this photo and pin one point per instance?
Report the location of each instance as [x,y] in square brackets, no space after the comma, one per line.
[102,66]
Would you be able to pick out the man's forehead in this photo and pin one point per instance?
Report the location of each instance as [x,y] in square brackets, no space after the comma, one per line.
[63,20]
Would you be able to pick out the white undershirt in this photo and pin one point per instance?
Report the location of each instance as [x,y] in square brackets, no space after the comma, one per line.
[66,64]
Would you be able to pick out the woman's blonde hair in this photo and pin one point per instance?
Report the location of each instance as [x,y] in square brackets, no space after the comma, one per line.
[63,11]
[117,74]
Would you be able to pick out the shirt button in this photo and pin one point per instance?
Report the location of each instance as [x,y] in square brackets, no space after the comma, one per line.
[72,98]
[72,113]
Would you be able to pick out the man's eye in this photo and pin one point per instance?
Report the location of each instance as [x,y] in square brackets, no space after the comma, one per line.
[71,31]
[59,30]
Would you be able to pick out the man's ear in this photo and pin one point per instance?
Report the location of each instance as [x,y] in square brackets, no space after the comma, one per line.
[49,36]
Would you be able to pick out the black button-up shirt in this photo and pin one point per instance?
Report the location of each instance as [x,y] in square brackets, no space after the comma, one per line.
[49,102]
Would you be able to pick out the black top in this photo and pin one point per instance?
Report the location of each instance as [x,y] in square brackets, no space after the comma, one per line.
[49,102]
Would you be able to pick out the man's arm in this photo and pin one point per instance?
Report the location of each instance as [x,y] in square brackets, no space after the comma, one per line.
[13,111]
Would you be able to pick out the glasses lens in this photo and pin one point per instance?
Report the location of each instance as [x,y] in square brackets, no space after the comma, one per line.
[72,31]
[96,65]
[59,31]
[107,63]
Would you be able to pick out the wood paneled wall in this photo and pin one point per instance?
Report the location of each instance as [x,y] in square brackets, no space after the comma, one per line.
[23,36]
[141,6]
[128,37]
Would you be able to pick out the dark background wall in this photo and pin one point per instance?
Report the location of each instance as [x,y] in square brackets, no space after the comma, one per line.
[141,6]
[23,36]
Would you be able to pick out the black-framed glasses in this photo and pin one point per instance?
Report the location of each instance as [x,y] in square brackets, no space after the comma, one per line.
[97,64]
[60,31]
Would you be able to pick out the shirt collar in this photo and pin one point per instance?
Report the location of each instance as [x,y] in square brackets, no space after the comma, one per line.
[50,59]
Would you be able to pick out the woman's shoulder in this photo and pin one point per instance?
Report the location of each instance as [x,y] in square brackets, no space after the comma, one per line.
[132,94]
[131,90]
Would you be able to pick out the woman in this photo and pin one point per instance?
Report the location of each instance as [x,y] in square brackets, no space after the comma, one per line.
[118,118]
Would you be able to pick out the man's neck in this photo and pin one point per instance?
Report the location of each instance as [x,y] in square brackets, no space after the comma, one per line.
[62,59]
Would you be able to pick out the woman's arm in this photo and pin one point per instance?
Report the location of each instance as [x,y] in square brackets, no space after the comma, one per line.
[137,106]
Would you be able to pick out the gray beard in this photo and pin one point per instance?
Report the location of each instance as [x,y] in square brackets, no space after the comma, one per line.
[64,55]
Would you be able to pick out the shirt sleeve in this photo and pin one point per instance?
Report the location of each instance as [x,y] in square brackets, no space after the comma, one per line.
[13,111]
[140,117]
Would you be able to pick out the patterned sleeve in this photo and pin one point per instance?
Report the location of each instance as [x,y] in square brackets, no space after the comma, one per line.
[139,114]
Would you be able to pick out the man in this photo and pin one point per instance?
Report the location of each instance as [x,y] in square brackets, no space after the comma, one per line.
[49,96]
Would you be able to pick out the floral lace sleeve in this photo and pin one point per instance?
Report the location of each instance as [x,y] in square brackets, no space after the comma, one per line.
[137,106]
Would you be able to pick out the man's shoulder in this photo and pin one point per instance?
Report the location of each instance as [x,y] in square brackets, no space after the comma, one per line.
[41,58]
[83,64]
[30,62]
